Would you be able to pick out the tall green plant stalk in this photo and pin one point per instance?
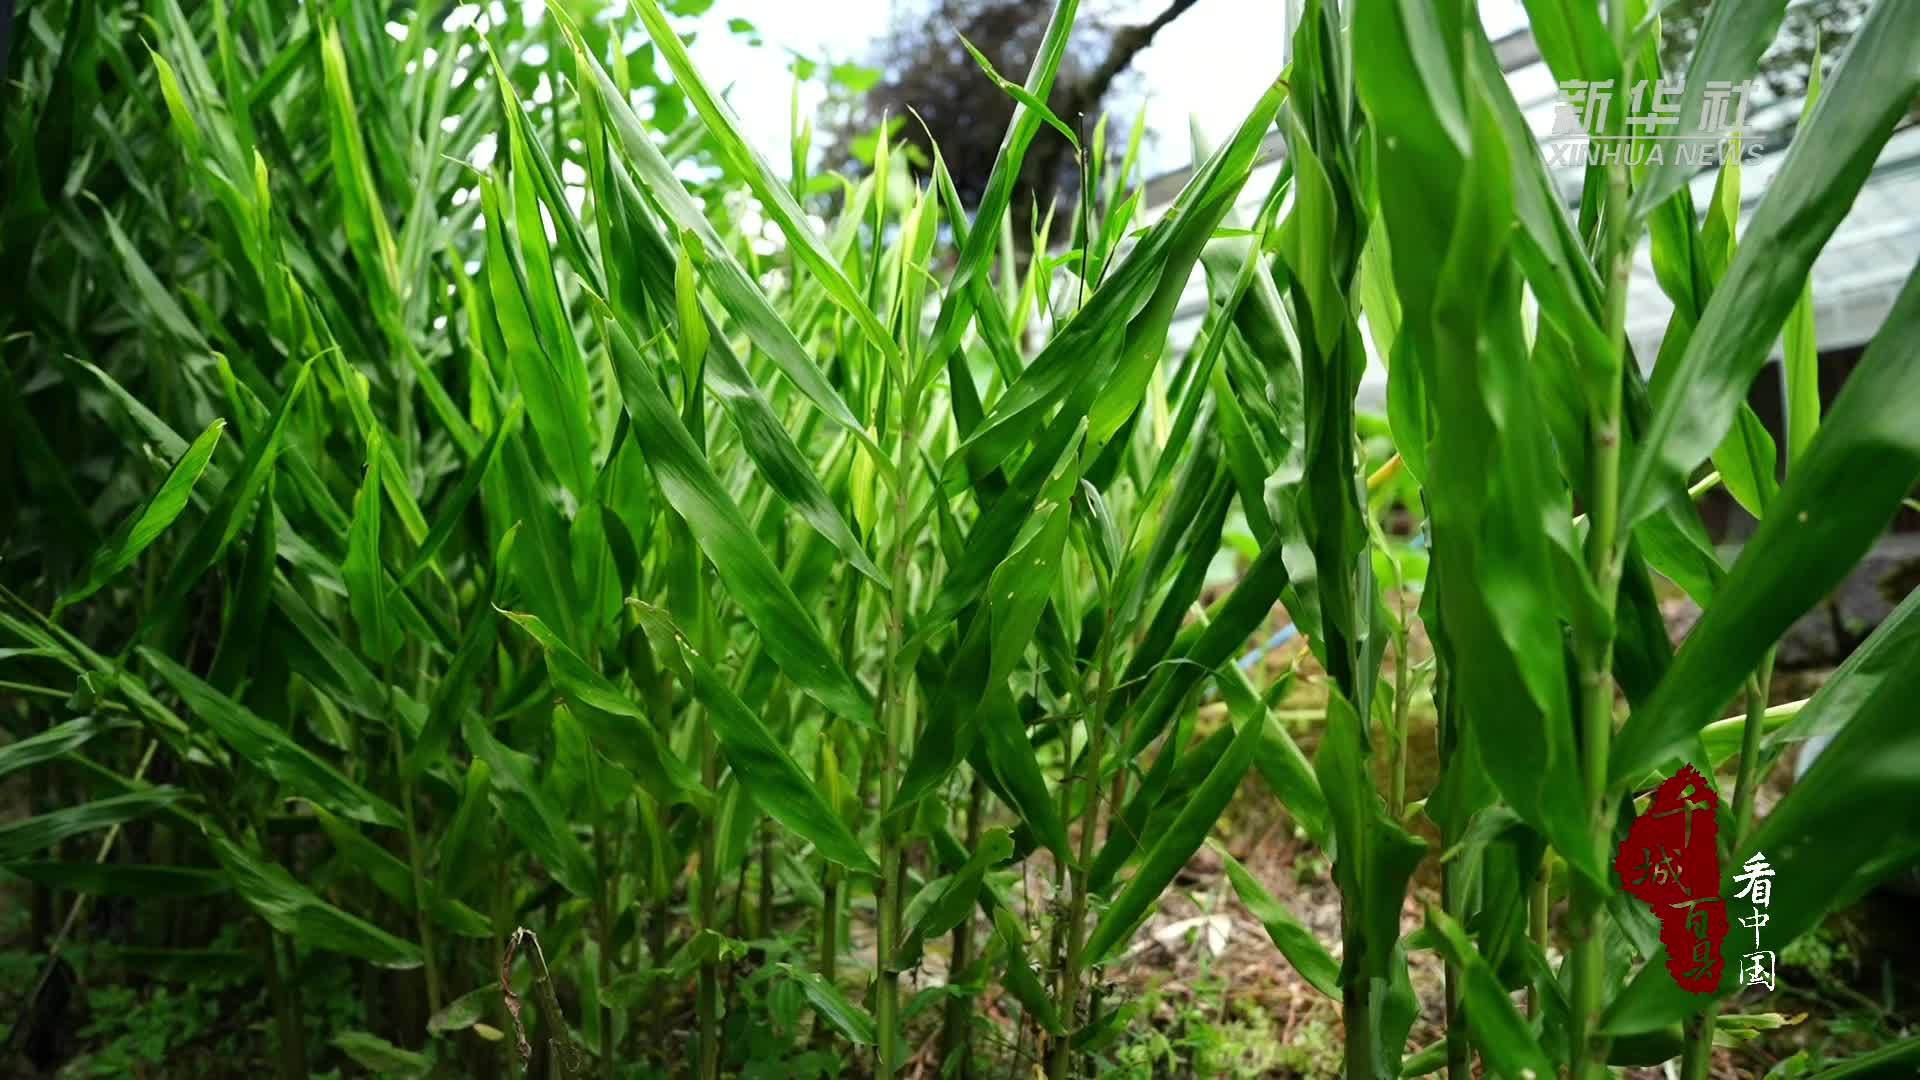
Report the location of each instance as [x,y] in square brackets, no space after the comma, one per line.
[422,920]
[1588,907]
[691,568]
[956,1034]
[287,1027]
[708,1003]
[1447,740]
[1062,1064]
[604,864]
[828,963]
[1697,1061]
[833,876]
[898,709]
[1539,906]
[1459,1054]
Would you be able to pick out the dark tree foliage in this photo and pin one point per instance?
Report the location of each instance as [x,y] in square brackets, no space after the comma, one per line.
[1787,63]
[928,71]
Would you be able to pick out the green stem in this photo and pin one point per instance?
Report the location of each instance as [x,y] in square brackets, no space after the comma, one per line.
[956,1034]
[603,904]
[830,923]
[1089,829]
[1459,1061]
[420,902]
[1356,998]
[1402,700]
[1747,781]
[898,707]
[831,888]
[763,922]
[708,1003]
[1698,1059]
[1538,901]
[1588,905]
[657,957]
[293,1048]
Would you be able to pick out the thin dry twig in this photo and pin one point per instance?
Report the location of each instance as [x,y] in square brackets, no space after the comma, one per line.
[570,1055]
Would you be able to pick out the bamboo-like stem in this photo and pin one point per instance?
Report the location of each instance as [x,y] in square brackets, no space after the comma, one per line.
[1539,899]
[898,709]
[1459,1059]
[603,905]
[1697,1060]
[1402,702]
[1588,907]
[657,956]
[1062,1066]
[1068,934]
[763,913]
[956,1034]
[830,923]
[1356,999]
[421,919]
[832,895]
[286,1022]
[708,994]
[1747,780]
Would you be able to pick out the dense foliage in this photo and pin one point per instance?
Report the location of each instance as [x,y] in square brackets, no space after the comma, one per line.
[474,525]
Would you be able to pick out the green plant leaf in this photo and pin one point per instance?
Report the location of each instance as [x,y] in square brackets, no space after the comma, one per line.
[954,902]
[1727,52]
[31,836]
[619,728]
[1022,981]
[365,577]
[833,1006]
[1498,1029]
[1869,451]
[1175,846]
[152,519]
[789,633]
[721,272]
[966,288]
[121,879]
[464,1011]
[234,506]
[528,813]
[770,776]
[1020,94]
[290,908]
[270,749]
[1295,941]
[395,878]
[379,1056]
[1804,203]
[61,738]
[1814,834]
[1799,343]
[724,128]
[1010,752]
[538,342]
